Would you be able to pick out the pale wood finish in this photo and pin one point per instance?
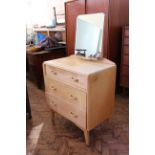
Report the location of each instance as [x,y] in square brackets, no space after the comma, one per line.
[70,111]
[87,137]
[85,105]
[69,77]
[78,65]
[101,94]
[70,94]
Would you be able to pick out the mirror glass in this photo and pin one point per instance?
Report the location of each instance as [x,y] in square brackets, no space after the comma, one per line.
[89,35]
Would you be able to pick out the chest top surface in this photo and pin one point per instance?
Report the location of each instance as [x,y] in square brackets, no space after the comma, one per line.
[75,64]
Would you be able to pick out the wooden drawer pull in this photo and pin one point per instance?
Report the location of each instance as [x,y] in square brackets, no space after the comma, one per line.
[73,97]
[73,114]
[54,104]
[55,73]
[53,88]
[75,80]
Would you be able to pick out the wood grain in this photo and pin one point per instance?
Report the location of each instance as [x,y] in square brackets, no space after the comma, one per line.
[87,107]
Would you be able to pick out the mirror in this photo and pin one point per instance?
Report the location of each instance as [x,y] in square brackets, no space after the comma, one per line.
[89,35]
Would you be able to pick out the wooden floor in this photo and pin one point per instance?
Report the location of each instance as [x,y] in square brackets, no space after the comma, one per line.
[66,139]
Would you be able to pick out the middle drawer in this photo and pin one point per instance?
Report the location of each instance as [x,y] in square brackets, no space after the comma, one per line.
[63,91]
[69,111]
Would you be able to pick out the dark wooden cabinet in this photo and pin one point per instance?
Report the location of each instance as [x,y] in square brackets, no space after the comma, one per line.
[35,60]
[116,16]
[124,74]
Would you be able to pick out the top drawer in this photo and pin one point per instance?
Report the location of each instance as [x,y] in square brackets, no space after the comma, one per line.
[73,79]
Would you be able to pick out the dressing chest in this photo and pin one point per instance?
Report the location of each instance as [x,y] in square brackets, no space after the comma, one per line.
[80,90]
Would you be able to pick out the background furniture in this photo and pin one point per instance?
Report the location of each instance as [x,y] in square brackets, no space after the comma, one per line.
[116,16]
[35,60]
[50,31]
[124,77]
[80,90]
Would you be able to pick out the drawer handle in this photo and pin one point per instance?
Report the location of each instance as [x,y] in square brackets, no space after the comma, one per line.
[53,88]
[74,115]
[75,80]
[55,73]
[54,104]
[73,97]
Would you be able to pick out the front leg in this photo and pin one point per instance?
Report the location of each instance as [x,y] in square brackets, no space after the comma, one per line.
[87,137]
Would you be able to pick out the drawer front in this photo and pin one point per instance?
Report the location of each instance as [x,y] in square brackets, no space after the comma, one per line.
[125,70]
[67,110]
[125,60]
[66,76]
[67,93]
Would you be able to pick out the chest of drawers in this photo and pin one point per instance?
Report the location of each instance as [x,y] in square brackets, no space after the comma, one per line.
[80,90]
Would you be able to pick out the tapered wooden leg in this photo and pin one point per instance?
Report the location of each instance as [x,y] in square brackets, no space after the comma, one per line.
[87,137]
[53,117]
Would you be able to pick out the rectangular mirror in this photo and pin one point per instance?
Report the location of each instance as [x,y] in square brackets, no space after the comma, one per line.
[89,35]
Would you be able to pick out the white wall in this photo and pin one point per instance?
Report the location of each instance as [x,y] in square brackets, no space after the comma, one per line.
[41,11]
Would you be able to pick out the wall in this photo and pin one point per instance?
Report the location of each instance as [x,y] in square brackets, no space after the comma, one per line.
[41,11]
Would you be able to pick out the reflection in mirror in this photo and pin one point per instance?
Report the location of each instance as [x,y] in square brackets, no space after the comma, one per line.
[89,35]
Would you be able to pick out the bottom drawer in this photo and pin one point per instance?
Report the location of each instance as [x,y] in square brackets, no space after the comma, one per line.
[67,110]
